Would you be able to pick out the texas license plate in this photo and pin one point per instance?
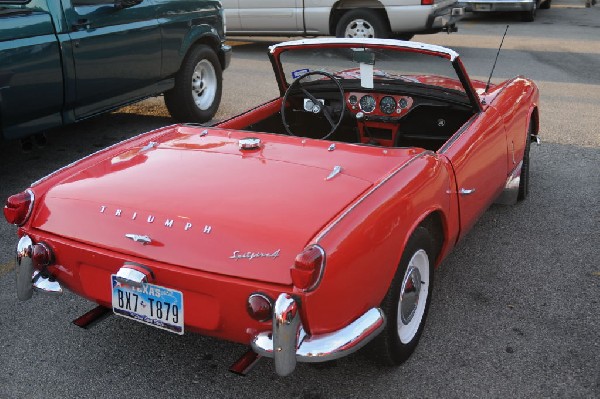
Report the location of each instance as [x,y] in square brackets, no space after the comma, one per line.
[150,304]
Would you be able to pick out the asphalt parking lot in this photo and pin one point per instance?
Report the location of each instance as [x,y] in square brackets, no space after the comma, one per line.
[516,306]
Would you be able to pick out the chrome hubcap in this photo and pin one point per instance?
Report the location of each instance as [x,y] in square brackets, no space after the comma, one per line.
[409,297]
[413,296]
[204,84]
[359,28]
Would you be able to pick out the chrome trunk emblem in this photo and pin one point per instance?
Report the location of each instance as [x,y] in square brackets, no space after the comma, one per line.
[138,238]
[249,143]
[237,255]
[336,171]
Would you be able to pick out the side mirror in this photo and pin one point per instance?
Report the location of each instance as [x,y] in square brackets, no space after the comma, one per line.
[121,4]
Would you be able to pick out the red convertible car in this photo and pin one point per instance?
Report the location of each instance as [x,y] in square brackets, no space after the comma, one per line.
[307,227]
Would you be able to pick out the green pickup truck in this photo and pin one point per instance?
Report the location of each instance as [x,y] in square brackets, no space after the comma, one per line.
[62,61]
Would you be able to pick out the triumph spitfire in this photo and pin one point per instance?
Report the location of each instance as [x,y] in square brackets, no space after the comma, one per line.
[307,227]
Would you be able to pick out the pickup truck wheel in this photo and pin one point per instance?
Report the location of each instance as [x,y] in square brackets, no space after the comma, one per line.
[524,181]
[407,301]
[360,23]
[198,86]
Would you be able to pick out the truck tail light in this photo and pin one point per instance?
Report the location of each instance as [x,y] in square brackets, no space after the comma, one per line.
[427,2]
[18,207]
[308,268]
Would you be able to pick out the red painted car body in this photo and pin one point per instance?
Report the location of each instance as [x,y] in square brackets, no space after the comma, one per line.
[220,223]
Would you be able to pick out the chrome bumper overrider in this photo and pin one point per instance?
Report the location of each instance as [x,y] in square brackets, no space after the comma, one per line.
[288,343]
[29,279]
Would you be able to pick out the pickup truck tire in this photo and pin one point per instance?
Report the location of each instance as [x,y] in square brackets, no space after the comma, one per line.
[407,301]
[362,22]
[198,86]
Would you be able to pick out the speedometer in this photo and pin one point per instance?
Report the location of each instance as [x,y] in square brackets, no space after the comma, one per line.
[387,105]
[367,103]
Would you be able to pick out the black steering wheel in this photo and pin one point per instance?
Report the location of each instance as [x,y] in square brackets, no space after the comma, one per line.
[317,107]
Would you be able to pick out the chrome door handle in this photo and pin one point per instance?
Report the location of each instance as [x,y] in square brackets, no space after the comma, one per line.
[466,191]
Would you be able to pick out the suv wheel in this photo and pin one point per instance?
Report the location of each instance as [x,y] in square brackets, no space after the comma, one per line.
[360,23]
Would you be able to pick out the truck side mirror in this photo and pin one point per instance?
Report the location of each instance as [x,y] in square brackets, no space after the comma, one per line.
[121,4]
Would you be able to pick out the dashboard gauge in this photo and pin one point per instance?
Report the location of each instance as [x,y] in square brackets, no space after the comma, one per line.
[387,105]
[367,103]
[403,103]
[352,100]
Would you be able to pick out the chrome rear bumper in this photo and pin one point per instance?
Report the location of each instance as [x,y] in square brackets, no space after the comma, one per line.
[29,279]
[288,343]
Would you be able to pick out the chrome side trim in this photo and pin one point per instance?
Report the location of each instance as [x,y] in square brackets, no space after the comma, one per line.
[367,194]
[289,343]
[511,189]
[24,268]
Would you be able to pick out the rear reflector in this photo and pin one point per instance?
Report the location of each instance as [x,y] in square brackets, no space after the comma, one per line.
[427,2]
[260,307]
[308,268]
[18,207]
[42,255]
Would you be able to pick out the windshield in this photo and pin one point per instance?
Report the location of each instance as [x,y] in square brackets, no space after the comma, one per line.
[372,66]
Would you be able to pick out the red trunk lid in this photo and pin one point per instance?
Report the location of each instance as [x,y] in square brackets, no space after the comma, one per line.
[208,205]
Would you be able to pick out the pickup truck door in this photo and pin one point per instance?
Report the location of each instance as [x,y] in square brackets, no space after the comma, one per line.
[478,156]
[277,16]
[232,15]
[116,53]
[31,81]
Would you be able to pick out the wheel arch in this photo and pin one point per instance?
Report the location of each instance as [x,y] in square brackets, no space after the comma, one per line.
[343,6]
[534,119]
[202,37]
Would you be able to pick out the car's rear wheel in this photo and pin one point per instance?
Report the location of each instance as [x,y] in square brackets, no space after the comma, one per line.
[546,5]
[407,301]
[524,181]
[362,23]
[198,86]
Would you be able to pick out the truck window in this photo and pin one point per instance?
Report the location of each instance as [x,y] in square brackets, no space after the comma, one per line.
[91,2]
[26,5]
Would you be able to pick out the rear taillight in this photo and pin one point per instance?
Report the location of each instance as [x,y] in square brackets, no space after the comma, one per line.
[18,207]
[308,268]
[42,255]
[260,307]
[427,2]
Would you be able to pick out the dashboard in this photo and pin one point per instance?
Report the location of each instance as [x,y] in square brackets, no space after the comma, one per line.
[377,104]
[378,115]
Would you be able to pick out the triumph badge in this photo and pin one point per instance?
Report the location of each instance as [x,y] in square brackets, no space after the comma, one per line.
[138,238]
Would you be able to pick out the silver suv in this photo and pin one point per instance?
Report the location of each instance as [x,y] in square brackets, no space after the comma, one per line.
[366,18]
